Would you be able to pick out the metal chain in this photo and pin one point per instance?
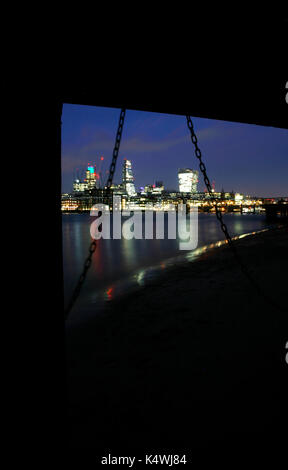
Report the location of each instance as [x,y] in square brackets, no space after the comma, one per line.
[116,149]
[202,167]
[207,181]
[81,279]
[93,244]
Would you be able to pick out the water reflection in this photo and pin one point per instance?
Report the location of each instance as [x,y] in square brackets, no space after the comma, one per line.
[129,261]
[145,275]
[109,293]
[140,278]
[129,252]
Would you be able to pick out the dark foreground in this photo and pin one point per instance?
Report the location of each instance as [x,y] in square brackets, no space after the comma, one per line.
[192,364]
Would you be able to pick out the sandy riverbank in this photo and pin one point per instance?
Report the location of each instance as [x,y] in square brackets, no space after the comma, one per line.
[196,347]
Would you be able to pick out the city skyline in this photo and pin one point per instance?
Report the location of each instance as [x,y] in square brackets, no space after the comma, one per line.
[187,180]
[159,144]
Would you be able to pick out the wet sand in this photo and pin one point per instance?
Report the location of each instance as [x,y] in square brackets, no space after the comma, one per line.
[196,358]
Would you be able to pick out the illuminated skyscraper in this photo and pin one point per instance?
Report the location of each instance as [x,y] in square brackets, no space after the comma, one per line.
[90,177]
[88,183]
[188,180]
[127,178]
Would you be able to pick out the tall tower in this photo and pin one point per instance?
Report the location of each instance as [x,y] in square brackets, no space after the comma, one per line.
[127,178]
[90,177]
[188,180]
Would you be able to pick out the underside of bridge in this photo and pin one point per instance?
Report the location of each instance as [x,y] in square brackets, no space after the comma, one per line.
[257,98]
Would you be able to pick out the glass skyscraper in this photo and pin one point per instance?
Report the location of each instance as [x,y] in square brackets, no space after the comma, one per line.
[127,178]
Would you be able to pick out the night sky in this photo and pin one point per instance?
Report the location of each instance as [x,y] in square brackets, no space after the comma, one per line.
[242,157]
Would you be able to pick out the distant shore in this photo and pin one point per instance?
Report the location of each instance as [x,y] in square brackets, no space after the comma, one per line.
[200,209]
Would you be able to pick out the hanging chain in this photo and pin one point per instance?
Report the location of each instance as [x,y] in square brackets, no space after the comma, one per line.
[81,279]
[93,244]
[116,149]
[202,167]
[207,182]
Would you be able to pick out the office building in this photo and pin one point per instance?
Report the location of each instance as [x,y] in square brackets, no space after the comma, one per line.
[127,178]
[188,180]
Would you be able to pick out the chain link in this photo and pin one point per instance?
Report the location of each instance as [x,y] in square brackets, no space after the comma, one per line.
[244,268]
[93,244]
[116,149]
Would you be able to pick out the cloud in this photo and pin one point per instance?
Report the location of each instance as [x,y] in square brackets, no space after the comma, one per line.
[102,142]
[138,144]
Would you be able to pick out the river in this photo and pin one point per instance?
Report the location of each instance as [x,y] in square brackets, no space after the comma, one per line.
[122,265]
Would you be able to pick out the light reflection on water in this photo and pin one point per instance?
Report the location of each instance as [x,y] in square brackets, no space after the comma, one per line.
[121,265]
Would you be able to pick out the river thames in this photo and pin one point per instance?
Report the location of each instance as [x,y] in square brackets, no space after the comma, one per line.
[122,265]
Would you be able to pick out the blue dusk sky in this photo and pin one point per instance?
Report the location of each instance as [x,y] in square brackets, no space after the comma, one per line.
[242,157]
